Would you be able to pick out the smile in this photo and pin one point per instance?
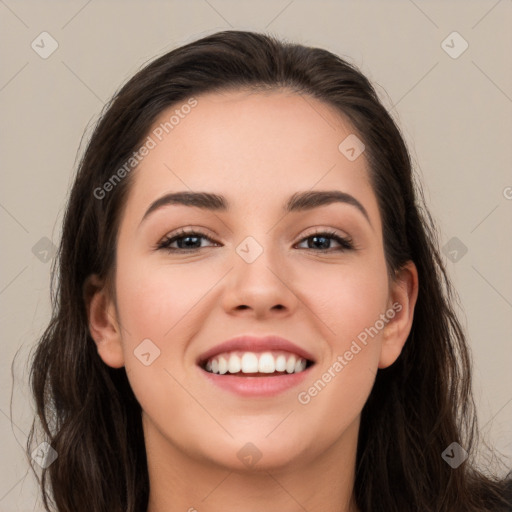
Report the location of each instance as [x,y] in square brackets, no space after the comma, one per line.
[256,364]
[251,366]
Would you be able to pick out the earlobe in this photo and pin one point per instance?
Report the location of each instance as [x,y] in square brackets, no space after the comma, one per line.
[103,323]
[403,296]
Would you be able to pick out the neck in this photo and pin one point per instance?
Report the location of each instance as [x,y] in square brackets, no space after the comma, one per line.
[181,483]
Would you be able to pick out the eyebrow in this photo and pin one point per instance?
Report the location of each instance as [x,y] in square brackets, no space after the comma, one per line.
[298,202]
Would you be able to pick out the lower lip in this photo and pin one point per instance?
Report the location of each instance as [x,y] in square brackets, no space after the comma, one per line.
[256,386]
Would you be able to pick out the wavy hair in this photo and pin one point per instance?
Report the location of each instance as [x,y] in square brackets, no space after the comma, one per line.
[417,407]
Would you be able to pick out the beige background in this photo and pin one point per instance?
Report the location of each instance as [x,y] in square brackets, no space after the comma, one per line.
[455,113]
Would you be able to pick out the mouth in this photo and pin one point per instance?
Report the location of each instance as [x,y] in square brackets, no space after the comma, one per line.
[256,364]
[250,366]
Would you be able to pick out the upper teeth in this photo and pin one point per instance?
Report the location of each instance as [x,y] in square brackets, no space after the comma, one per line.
[251,362]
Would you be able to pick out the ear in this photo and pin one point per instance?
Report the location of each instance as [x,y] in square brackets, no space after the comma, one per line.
[103,323]
[402,299]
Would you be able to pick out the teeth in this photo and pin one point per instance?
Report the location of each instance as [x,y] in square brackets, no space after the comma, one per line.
[300,365]
[223,365]
[250,362]
[280,363]
[234,365]
[290,364]
[267,363]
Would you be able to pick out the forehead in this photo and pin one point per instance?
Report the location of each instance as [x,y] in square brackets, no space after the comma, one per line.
[265,145]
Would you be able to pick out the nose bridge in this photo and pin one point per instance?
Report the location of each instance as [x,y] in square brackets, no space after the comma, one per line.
[257,234]
[256,255]
[259,278]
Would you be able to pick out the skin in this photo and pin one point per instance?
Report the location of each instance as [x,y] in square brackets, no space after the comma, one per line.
[257,149]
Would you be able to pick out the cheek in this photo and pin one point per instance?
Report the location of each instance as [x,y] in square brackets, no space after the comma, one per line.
[346,299]
[153,306]
[159,303]
[351,309]
[350,306]
[153,299]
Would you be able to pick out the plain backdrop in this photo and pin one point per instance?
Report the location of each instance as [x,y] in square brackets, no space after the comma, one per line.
[452,102]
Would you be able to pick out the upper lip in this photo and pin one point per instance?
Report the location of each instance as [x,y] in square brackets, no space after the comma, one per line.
[248,343]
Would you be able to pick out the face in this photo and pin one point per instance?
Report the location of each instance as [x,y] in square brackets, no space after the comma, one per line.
[312,274]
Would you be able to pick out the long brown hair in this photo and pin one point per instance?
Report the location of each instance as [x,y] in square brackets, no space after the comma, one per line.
[418,406]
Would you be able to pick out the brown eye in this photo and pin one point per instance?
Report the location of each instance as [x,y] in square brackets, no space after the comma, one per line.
[323,238]
[186,241]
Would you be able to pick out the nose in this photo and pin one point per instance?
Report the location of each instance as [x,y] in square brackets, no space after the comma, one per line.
[259,284]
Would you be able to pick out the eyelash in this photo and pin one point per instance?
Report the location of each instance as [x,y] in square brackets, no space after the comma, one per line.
[345,243]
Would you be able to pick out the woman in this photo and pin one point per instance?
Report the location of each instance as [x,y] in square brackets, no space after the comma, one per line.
[252,312]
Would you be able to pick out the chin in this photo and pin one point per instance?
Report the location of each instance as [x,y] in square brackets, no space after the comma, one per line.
[256,453]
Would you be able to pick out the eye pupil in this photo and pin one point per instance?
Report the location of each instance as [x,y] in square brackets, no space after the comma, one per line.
[187,245]
[326,240]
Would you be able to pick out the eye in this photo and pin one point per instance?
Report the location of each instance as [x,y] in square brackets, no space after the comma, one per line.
[186,240]
[190,241]
[323,238]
